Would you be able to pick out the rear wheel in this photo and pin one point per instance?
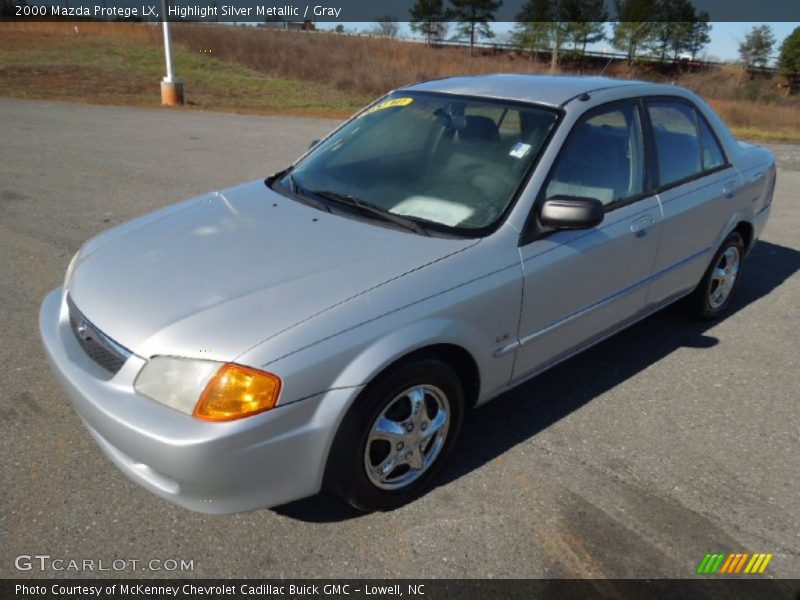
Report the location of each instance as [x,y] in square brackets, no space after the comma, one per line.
[713,295]
[396,436]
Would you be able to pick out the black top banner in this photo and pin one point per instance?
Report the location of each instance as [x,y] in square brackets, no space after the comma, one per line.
[254,11]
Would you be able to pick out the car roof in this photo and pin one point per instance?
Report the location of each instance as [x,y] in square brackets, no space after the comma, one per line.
[553,90]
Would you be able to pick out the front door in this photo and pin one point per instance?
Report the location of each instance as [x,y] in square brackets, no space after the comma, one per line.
[579,285]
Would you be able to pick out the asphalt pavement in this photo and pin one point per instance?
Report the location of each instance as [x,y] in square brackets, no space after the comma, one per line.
[670,440]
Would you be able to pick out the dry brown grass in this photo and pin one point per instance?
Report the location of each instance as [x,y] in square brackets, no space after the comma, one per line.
[759,121]
[370,66]
[364,68]
[51,62]
[137,31]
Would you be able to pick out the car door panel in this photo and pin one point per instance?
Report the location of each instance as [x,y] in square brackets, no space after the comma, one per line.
[694,215]
[698,195]
[580,284]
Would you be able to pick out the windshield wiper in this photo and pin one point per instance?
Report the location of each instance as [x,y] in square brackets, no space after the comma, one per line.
[295,190]
[372,209]
[276,176]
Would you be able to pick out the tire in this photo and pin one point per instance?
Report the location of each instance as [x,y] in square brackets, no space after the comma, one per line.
[427,383]
[714,292]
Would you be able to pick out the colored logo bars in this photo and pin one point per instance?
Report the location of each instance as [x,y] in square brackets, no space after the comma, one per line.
[741,562]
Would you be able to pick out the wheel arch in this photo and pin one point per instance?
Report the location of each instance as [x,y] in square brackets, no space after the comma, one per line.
[452,342]
[455,356]
[747,231]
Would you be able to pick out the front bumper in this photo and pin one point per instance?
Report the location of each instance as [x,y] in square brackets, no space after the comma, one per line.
[265,460]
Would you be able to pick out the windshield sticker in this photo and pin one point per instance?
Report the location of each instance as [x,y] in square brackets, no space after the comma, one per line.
[388,104]
[520,150]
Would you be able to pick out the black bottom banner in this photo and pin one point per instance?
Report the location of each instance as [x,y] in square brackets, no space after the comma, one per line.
[375,589]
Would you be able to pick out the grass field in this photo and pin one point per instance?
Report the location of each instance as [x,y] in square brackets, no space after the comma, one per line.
[246,69]
[126,71]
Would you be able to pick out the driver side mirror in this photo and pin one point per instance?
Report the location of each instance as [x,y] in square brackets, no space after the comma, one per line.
[571,212]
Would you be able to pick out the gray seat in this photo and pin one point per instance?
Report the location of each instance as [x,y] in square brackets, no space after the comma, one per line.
[678,155]
[479,129]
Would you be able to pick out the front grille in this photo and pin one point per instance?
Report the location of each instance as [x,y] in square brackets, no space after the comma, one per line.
[107,353]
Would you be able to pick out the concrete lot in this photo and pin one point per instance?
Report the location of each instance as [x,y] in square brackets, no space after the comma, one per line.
[670,440]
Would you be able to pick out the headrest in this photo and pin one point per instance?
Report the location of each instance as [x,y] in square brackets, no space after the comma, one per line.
[479,129]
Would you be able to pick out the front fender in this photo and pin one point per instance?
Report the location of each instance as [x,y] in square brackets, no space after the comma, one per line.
[473,301]
[388,349]
[354,358]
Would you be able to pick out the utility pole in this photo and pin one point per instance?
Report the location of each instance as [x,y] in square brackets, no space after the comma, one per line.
[171,86]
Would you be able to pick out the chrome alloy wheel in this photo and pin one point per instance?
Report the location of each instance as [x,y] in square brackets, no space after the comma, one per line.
[723,277]
[407,437]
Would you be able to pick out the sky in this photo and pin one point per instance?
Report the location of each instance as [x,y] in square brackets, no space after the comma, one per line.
[724,45]
[725,37]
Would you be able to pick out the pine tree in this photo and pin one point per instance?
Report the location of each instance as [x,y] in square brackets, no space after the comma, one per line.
[547,24]
[698,35]
[756,49]
[675,18]
[533,27]
[474,16]
[789,59]
[428,18]
[633,31]
[589,25]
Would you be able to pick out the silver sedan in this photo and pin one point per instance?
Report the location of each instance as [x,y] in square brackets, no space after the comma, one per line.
[329,326]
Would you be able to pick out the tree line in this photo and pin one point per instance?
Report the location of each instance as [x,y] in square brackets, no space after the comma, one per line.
[665,29]
[672,27]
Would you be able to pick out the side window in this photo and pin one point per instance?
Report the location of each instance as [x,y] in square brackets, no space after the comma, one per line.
[713,156]
[677,143]
[602,159]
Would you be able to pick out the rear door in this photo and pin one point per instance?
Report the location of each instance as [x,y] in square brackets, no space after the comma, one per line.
[697,188]
[580,285]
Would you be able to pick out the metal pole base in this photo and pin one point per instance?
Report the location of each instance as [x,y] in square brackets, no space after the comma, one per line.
[171,92]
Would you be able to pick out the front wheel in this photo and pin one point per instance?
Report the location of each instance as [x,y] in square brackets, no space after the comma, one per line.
[396,436]
[713,295]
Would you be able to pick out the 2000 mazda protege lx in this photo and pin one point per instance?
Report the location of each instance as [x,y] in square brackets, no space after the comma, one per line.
[330,325]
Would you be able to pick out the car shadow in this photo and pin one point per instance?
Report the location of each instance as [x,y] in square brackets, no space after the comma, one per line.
[512,418]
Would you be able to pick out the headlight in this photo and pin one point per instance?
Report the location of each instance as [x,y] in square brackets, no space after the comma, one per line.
[70,268]
[208,390]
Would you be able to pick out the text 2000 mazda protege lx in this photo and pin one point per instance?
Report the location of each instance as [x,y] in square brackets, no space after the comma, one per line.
[330,325]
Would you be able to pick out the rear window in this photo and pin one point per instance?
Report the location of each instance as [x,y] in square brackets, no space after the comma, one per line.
[677,143]
[713,156]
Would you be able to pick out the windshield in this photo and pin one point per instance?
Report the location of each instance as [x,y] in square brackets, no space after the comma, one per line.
[445,162]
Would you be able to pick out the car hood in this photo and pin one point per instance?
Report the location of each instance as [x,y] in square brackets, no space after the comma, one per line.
[223,272]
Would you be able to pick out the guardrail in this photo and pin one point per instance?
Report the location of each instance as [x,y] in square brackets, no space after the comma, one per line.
[545,54]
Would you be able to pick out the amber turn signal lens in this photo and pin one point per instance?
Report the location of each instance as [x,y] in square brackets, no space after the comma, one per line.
[236,392]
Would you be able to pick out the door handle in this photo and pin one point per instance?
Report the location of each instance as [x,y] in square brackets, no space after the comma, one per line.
[640,225]
[729,189]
